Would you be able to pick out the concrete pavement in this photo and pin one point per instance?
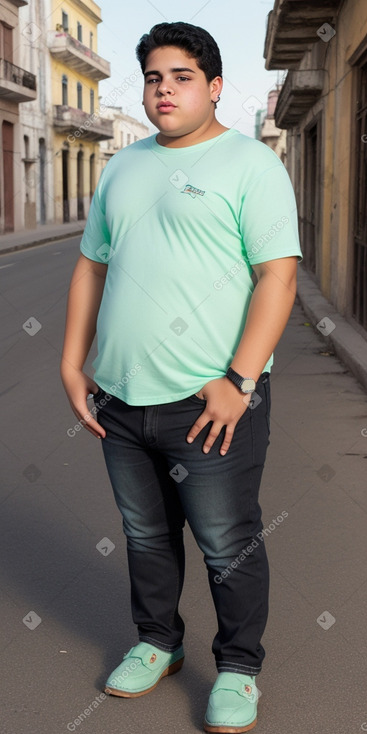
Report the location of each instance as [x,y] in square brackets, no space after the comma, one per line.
[41,235]
[66,608]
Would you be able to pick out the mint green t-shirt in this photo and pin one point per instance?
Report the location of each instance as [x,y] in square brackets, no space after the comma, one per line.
[179,229]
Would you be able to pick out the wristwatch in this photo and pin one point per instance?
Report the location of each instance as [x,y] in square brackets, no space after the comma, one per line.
[246,384]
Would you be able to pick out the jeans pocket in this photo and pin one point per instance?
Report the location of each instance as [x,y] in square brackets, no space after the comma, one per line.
[98,394]
[195,399]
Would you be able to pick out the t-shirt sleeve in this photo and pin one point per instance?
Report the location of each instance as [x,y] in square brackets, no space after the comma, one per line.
[268,217]
[96,240]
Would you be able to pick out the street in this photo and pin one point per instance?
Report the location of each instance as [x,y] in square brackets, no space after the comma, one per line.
[65,603]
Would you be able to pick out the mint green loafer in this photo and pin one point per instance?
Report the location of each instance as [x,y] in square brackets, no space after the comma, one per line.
[141,670]
[232,706]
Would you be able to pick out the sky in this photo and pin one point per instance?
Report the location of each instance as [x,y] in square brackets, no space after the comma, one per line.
[239,28]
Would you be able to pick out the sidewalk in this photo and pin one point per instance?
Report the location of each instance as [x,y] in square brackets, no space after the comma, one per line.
[348,345]
[343,340]
[40,235]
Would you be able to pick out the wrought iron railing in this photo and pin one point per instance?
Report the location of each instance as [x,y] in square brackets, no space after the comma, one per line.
[79,46]
[15,74]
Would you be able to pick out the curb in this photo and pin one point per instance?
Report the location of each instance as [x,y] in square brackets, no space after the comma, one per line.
[43,241]
[348,345]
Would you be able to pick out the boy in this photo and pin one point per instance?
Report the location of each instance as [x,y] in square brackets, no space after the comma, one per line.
[179,225]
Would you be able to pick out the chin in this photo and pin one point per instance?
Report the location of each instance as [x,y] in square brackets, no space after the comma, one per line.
[171,133]
[168,130]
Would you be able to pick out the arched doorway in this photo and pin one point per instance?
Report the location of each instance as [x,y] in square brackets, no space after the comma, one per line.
[8,175]
[92,184]
[42,159]
[80,184]
[65,185]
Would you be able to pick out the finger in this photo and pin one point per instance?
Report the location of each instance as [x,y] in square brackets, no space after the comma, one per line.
[227,440]
[196,428]
[212,435]
[93,426]
[100,433]
[87,420]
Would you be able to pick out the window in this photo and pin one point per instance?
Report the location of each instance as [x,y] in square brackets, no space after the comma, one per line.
[91,40]
[91,101]
[128,139]
[26,146]
[79,95]
[79,32]
[64,84]
[6,42]
[65,21]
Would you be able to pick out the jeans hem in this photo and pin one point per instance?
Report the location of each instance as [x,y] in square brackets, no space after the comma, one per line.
[228,667]
[160,645]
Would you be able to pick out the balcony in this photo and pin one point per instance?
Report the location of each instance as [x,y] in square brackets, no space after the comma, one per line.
[70,121]
[16,85]
[292,29]
[74,54]
[299,93]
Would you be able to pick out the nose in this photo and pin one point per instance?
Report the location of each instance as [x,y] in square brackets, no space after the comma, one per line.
[164,87]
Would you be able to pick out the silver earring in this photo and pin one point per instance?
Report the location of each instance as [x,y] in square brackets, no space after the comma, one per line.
[218,98]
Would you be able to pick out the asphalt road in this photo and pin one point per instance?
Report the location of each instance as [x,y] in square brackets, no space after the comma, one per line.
[65,606]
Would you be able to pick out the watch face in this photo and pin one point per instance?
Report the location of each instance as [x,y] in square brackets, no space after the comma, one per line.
[248,385]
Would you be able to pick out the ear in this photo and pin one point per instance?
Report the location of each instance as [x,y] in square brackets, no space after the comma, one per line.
[216,86]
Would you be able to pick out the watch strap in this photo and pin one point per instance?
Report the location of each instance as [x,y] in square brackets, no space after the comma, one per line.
[238,380]
[234,377]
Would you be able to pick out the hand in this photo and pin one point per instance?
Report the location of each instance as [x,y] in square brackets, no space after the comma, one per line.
[77,386]
[225,406]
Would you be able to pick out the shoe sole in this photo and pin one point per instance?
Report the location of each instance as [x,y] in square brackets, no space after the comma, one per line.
[173,668]
[222,729]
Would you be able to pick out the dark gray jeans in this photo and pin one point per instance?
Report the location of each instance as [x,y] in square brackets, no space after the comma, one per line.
[159,481]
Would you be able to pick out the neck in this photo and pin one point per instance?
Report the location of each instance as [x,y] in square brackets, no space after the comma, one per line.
[204,132]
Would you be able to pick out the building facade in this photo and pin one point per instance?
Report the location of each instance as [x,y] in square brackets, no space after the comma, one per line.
[76,69]
[269,133]
[17,85]
[323,108]
[37,180]
[62,128]
[126,130]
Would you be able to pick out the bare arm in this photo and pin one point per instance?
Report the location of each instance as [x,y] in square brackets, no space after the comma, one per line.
[268,313]
[85,294]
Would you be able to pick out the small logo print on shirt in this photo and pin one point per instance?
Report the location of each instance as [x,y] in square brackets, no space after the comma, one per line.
[192,190]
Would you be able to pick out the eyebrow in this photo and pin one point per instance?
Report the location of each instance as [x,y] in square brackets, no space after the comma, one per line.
[157,73]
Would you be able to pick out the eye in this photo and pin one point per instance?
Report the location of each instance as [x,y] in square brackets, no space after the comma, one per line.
[152,80]
[183,79]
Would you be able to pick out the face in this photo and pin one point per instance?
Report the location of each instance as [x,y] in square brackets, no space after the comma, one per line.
[178,99]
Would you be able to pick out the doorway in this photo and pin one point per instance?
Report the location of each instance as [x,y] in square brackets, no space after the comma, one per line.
[80,184]
[8,175]
[65,185]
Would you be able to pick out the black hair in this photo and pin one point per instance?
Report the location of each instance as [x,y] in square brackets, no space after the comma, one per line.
[196,41]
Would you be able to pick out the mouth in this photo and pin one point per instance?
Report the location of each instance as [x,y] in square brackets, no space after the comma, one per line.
[166,106]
